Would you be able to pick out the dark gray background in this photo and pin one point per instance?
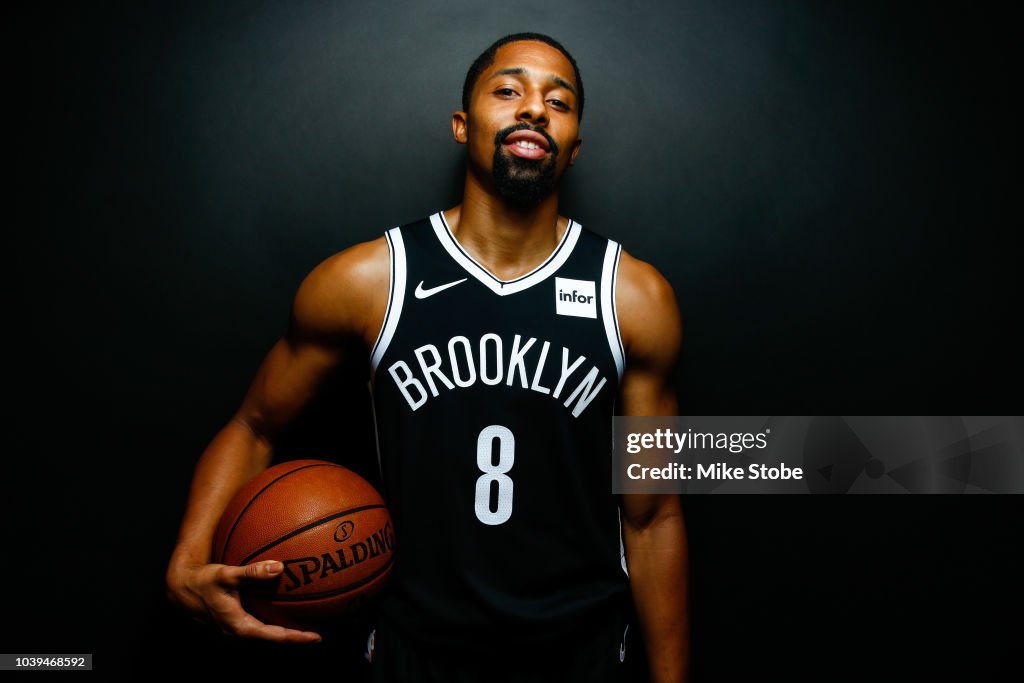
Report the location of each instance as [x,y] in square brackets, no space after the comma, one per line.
[826,185]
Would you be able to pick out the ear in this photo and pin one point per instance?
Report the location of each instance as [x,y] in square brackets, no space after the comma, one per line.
[575,151]
[459,122]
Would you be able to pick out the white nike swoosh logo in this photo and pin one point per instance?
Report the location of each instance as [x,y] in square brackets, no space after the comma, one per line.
[424,293]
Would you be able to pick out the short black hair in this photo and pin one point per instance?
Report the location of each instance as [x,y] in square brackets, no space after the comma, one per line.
[487,58]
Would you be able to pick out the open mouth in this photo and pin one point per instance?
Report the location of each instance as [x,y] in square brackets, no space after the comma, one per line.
[527,144]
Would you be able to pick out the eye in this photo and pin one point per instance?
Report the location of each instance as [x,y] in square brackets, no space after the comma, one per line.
[505,91]
[560,104]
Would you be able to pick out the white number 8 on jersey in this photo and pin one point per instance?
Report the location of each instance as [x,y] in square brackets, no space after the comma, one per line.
[492,473]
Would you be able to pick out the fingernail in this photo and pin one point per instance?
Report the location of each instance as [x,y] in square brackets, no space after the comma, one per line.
[274,568]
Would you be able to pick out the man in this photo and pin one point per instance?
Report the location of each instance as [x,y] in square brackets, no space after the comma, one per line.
[499,336]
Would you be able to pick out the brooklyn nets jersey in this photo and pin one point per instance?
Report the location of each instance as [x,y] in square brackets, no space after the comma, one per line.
[493,402]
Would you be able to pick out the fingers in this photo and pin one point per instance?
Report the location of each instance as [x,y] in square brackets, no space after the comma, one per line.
[263,570]
[233,576]
[227,611]
[244,625]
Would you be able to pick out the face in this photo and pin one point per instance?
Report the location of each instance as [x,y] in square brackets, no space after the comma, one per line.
[522,128]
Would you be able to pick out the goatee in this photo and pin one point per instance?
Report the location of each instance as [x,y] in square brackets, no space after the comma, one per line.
[521,181]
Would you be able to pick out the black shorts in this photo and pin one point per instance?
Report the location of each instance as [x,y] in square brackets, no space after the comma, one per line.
[608,653]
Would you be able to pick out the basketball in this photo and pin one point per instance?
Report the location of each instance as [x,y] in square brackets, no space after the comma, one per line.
[326,524]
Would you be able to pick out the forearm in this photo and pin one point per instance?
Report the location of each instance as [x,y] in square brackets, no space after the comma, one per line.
[233,457]
[657,561]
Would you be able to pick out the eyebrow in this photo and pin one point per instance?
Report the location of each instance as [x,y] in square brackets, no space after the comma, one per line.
[520,71]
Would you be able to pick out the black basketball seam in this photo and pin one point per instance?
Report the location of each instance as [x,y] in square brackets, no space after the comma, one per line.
[227,540]
[282,539]
[339,591]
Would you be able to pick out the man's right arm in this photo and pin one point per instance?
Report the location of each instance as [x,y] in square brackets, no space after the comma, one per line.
[335,317]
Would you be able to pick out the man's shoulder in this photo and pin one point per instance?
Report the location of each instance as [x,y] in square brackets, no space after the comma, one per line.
[345,292]
[356,264]
[363,264]
[637,282]
[648,312]
[640,282]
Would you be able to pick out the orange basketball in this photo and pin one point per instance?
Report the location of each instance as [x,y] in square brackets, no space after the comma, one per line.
[326,524]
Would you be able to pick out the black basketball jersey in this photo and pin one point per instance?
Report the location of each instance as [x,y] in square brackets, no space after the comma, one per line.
[493,403]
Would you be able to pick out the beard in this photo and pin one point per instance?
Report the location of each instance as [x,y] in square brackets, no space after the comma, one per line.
[520,181]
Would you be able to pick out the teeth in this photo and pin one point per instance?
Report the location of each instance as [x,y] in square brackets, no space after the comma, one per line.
[527,144]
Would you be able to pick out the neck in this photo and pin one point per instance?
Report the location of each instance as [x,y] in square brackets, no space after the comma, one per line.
[506,239]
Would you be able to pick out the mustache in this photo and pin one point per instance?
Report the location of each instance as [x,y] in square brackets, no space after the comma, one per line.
[499,137]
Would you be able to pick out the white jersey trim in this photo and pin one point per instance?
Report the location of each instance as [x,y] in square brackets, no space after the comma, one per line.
[503,287]
[376,429]
[609,310]
[622,546]
[396,296]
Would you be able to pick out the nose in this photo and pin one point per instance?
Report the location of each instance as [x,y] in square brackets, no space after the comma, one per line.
[532,108]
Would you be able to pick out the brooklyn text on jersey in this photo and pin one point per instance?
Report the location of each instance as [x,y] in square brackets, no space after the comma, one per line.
[462,363]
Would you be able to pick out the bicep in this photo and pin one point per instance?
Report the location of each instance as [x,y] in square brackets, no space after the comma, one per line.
[647,392]
[287,380]
[333,315]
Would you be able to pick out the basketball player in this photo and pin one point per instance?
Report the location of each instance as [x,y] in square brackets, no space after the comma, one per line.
[500,336]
